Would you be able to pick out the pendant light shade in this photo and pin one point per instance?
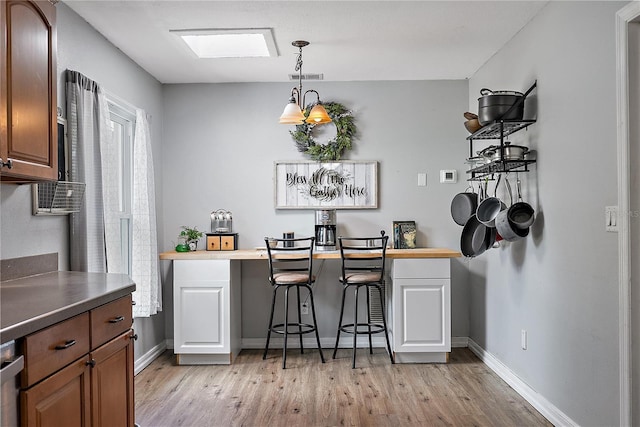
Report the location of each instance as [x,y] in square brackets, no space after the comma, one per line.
[318,115]
[292,115]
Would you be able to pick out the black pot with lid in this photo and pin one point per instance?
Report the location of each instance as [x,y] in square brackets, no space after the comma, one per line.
[497,105]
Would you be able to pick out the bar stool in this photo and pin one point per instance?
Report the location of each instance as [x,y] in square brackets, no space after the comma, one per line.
[363,260]
[291,266]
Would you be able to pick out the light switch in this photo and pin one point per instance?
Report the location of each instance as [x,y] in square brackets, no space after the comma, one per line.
[422,180]
[611,218]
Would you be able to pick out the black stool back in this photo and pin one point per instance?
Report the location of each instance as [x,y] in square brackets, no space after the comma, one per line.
[291,265]
[363,264]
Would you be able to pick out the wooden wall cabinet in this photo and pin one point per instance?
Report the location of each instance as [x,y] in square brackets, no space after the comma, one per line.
[28,113]
[95,389]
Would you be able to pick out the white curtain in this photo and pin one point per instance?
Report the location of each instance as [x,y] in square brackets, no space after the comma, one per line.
[87,126]
[95,232]
[144,256]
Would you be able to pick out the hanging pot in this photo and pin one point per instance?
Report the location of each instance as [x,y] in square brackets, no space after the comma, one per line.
[463,206]
[521,214]
[490,207]
[504,227]
[495,105]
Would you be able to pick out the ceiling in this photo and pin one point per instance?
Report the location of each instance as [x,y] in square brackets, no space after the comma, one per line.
[349,40]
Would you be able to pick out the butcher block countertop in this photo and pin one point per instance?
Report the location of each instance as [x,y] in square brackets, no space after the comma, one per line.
[35,302]
[261,253]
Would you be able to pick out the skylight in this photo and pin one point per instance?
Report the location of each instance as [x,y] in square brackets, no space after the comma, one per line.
[229,43]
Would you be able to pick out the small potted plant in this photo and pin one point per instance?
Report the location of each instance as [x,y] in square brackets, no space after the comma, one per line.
[191,236]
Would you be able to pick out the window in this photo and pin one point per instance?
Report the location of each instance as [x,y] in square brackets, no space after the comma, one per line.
[120,184]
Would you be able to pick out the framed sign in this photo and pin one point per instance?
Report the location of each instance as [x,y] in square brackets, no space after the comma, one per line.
[335,185]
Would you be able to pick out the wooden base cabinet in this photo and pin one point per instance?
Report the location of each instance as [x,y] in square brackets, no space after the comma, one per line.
[63,399]
[421,307]
[207,317]
[93,390]
[112,399]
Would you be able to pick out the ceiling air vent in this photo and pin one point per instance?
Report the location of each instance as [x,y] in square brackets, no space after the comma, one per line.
[307,76]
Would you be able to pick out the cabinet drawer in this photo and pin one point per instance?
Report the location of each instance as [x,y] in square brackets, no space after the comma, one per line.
[438,268]
[110,320]
[52,348]
[222,242]
[188,271]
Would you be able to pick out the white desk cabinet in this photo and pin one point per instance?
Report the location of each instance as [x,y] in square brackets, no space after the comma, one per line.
[421,309]
[207,316]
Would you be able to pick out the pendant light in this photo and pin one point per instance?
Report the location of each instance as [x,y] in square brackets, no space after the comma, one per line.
[293,113]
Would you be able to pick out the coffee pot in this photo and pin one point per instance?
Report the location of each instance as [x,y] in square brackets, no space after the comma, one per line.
[326,230]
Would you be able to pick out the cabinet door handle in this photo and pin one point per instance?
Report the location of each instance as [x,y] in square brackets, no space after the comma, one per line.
[91,363]
[116,319]
[8,163]
[66,345]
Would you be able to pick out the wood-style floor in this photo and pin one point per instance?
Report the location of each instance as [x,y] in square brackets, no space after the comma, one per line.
[256,392]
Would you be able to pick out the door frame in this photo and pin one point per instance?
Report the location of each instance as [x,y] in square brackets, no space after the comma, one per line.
[624,17]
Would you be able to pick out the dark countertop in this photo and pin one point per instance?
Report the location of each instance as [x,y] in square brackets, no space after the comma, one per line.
[36,302]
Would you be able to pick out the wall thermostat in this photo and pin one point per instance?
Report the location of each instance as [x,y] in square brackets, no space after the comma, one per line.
[448,176]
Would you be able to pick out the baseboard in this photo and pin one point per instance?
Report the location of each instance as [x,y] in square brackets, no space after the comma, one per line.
[459,342]
[542,405]
[146,359]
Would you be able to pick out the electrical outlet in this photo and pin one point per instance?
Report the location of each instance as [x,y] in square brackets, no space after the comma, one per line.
[304,309]
[523,339]
[422,180]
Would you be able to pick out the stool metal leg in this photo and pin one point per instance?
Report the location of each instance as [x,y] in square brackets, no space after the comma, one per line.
[299,321]
[286,327]
[273,304]
[369,319]
[315,323]
[355,328]
[335,348]
[384,323]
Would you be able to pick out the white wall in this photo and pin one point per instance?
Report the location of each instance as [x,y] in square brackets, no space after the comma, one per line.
[221,141]
[560,284]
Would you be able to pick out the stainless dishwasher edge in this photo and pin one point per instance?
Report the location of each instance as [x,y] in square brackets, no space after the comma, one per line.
[12,365]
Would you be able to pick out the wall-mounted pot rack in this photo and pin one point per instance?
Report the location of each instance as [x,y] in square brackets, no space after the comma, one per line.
[499,130]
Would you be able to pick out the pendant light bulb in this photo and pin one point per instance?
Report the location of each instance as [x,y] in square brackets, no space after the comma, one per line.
[292,114]
[318,115]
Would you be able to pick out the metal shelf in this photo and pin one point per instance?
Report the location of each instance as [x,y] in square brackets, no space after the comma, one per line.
[499,166]
[500,129]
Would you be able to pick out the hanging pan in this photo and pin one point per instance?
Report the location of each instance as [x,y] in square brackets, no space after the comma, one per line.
[506,228]
[476,237]
[463,206]
[521,214]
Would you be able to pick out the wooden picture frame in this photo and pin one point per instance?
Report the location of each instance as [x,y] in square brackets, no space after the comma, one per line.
[326,185]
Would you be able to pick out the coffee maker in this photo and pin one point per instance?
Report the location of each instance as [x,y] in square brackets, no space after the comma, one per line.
[326,230]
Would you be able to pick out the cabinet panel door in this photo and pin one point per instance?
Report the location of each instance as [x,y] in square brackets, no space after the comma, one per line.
[422,319]
[60,400]
[112,400]
[28,127]
[201,306]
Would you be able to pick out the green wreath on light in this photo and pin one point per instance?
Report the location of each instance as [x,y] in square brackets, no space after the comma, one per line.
[334,148]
